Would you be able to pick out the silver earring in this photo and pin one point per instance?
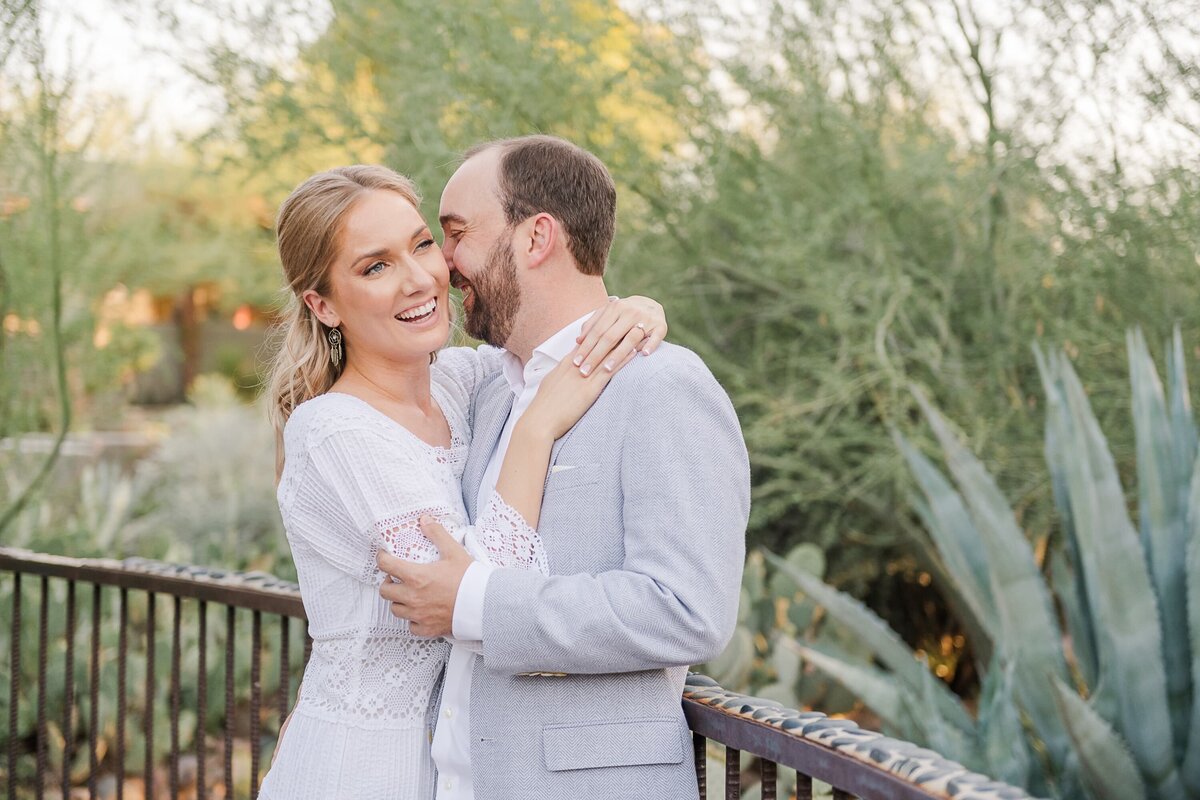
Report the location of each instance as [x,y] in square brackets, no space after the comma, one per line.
[335,346]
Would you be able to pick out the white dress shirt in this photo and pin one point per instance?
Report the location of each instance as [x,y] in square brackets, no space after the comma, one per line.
[452,742]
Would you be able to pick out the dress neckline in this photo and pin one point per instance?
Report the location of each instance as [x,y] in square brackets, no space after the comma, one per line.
[456,440]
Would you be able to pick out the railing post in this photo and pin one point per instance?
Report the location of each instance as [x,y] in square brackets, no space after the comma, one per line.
[733,773]
[255,697]
[768,774]
[148,773]
[43,626]
[229,631]
[201,701]
[122,657]
[94,691]
[173,765]
[68,731]
[14,684]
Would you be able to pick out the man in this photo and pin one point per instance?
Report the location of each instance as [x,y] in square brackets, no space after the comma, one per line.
[576,688]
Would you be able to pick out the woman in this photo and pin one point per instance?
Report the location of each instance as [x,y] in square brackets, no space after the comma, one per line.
[373,439]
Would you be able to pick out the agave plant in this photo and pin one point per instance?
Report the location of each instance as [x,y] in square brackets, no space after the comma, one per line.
[1101,700]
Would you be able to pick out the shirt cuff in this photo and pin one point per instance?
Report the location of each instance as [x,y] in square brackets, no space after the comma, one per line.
[468,605]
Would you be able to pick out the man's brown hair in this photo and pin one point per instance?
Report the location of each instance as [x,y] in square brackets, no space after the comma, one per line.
[545,174]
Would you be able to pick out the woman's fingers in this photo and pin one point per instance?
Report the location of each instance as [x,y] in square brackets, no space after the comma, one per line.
[654,337]
[604,346]
[624,350]
[605,315]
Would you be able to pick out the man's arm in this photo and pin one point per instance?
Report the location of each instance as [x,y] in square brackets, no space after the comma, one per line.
[685,485]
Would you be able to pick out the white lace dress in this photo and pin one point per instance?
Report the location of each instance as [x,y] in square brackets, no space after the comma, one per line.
[355,480]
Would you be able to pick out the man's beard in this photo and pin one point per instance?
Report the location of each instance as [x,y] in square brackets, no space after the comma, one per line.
[497,296]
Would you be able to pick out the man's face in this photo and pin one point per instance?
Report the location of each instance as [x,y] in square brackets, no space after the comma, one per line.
[478,248]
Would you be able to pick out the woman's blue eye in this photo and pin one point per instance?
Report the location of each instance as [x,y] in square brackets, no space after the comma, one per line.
[425,244]
[371,270]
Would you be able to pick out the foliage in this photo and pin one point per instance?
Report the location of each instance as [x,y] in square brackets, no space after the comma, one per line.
[210,488]
[181,503]
[1108,709]
[832,200]
[828,212]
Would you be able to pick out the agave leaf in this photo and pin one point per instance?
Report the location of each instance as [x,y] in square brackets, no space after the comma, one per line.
[879,691]
[1191,760]
[1003,739]
[1065,581]
[931,560]
[1123,599]
[875,634]
[954,533]
[1183,424]
[1029,633]
[1083,632]
[1106,767]
[1162,504]
[949,742]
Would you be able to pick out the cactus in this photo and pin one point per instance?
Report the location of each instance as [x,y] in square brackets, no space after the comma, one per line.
[1117,713]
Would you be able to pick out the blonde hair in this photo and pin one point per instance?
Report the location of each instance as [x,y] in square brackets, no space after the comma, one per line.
[307,234]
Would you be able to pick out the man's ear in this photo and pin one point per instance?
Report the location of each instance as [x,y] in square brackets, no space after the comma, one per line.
[321,308]
[543,235]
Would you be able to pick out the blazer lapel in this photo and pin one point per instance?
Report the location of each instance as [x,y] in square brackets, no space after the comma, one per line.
[491,412]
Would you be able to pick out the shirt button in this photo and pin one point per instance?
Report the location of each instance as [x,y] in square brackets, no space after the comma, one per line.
[449,712]
[448,784]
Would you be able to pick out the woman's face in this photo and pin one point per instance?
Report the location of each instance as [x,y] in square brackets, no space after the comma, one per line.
[388,283]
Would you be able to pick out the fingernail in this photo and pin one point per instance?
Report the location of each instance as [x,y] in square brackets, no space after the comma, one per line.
[578,360]
[426,519]
[608,365]
[585,369]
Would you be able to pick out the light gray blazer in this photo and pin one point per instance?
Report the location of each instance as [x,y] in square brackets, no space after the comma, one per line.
[644,522]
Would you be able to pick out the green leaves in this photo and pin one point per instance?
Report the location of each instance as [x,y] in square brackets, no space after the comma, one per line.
[1107,769]
[874,633]
[1120,592]
[1030,636]
[1165,451]
[1115,727]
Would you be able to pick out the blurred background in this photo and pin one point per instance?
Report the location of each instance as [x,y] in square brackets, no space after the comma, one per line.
[842,206]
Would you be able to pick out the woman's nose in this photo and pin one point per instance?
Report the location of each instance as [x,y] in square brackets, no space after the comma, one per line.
[417,279]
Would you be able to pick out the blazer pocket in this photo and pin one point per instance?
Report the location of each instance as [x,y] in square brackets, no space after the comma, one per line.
[577,475]
[615,743]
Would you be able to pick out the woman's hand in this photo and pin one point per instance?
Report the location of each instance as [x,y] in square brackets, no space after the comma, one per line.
[564,395]
[617,331]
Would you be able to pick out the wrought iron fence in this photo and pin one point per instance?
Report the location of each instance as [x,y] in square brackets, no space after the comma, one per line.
[46,734]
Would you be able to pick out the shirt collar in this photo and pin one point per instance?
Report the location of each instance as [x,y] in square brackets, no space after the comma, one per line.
[545,357]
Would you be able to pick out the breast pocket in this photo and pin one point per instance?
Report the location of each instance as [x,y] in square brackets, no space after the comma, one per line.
[612,743]
[569,476]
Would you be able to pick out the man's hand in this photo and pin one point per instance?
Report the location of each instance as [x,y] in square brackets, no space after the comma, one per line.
[425,593]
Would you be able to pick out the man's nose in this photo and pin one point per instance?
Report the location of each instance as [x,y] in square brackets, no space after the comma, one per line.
[448,248]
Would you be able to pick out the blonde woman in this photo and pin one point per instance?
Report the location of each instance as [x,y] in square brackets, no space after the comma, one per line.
[373,415]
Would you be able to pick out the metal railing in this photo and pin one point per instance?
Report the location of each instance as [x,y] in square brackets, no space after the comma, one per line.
[855,762]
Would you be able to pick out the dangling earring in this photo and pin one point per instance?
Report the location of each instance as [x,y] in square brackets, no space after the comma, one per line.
[335,346]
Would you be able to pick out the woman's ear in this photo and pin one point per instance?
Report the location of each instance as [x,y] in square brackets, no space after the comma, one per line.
[321,308]
[543,236]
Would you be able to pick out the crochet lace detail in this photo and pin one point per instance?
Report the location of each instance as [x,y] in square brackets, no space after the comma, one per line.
[507,540]
[372,681]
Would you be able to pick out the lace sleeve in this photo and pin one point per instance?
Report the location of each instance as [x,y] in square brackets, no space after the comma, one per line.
[502,538]
[370,491]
